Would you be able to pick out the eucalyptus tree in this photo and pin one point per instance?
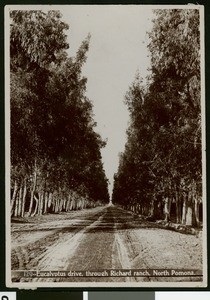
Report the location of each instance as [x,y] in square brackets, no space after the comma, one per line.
[52,126]
[164,136]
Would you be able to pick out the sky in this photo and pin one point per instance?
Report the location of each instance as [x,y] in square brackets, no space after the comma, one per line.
[117,51]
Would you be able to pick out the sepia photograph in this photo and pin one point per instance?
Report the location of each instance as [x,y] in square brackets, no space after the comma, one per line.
[105,146]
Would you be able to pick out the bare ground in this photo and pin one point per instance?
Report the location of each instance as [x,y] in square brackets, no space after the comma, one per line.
[98,239]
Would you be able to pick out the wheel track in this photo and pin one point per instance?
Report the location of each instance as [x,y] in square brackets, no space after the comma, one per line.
[57,257]
[22,257]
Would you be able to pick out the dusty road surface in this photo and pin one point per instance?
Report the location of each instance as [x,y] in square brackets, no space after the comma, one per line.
[99,239]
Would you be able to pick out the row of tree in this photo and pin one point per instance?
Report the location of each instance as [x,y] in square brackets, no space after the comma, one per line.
[55,152]
[160,171]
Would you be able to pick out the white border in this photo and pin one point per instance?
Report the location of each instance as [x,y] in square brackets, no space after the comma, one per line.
[33,285]
[182,295]
[85,295]
[7,142]
[203,139]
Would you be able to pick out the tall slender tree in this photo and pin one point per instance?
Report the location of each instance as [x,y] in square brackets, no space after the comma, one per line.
[163,150]
[53,143]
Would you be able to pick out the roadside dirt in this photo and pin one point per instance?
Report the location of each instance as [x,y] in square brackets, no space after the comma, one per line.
[98,239]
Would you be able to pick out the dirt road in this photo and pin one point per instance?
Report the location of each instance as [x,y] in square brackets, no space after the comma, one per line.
[99,239]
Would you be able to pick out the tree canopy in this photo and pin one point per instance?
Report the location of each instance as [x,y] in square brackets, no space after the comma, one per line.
[55,152]
[160,171]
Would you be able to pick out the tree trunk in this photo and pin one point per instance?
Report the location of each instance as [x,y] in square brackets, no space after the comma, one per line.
[32,192]
[56,205]
[61,203]
[152,208]
[72,203]
[178,207]
[196,204]
[41,203]
[189,213]
[64,203]
[189,216]
[167,208]
[68,203]
[24,199]
[12,204]
[83,203]
[36,206]
[50,198]
[46,202]
[20,201]
[16,204]
[184,209]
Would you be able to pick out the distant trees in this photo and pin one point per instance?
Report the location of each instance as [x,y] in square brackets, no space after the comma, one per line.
[160,172]
[55,152]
